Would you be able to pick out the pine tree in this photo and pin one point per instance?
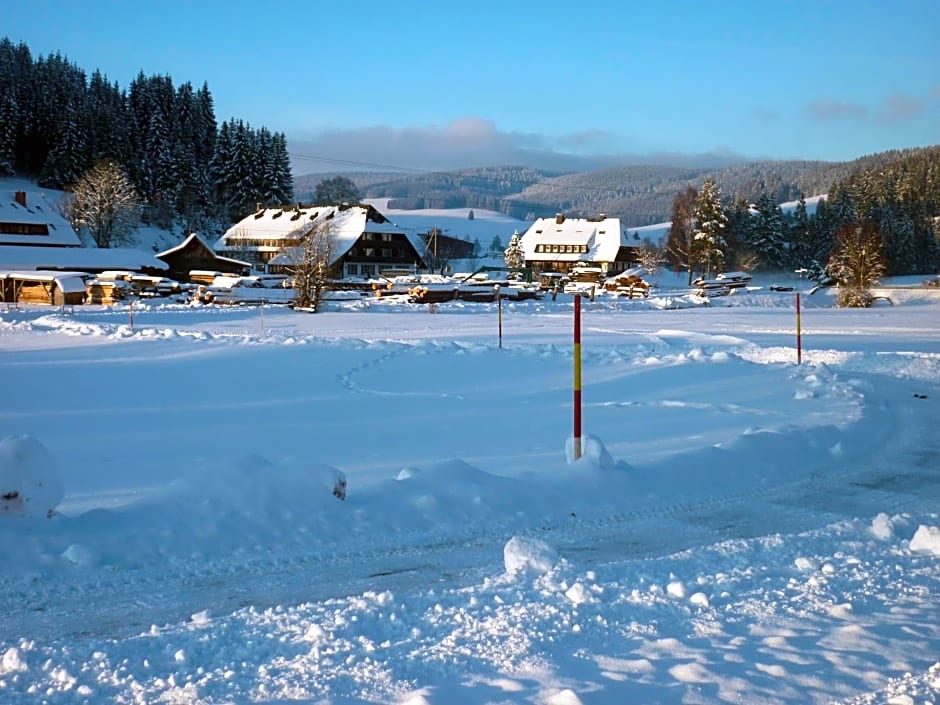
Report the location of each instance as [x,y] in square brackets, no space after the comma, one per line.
[766,233]
[857,263]
[218,170]
[514,255]
[8,121]
[335,191]
[9,108]
[738,215]
[899,233]
[799,256]
[283,186]
[710,226]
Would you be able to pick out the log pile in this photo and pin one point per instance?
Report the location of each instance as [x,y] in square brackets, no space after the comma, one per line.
[105,292]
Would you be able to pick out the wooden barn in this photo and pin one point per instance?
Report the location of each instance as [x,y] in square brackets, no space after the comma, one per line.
[194,253]
[42,287]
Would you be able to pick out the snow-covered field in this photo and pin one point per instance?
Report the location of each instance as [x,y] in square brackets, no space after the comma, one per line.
[742,529]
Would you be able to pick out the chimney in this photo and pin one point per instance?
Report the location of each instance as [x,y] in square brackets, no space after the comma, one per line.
[20,197]
[602,216]
[257,206]
[559,218]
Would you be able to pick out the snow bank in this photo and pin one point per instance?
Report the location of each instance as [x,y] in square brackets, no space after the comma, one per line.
[29,483]
[926,540]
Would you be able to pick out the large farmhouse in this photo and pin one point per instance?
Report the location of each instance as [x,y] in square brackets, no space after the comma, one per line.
[558,244]
[35,236]
[365,242]
[27,218]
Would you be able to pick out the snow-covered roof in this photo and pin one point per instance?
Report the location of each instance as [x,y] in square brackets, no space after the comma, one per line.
[68,282]
[196,237]
[603,238]
[38,213]
[347,223]
[81,258]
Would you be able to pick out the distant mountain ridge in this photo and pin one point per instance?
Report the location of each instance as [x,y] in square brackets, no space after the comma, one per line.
[638,194]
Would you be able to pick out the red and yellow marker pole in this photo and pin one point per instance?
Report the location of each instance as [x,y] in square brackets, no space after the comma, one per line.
[577,376]
[499,309]
[799,335]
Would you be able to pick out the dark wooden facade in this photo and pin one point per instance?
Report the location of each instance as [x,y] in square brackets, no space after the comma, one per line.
[195,253]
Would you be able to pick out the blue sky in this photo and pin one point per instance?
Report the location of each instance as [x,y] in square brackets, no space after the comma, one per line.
[435,85]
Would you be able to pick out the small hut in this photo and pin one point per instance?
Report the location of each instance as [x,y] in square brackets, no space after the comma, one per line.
[42,287]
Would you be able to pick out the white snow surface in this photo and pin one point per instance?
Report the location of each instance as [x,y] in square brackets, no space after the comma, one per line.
[739,528]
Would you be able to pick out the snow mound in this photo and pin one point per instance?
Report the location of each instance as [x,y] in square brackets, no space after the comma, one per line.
[254,486]
[926,540]
[593,452]
[882,527]
[29,483]
[522,554]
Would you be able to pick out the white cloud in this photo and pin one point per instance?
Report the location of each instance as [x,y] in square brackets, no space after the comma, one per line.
[831,109]
[898,107]
[466,143]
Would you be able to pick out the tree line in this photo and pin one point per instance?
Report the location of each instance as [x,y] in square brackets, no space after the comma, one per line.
[56,125]
[895,205]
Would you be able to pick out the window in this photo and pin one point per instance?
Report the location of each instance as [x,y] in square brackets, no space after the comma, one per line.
[352,269]
[367,270]
[386,237]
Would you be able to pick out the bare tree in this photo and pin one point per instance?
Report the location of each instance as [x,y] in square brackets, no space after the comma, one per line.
[857,263]
[683,249]
[651,257]
[104,205]
[311,265]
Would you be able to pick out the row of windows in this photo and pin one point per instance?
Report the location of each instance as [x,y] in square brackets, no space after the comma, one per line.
[365,270]
[23,229]
[234,243]
[383,252]
[384,237]
[562,249]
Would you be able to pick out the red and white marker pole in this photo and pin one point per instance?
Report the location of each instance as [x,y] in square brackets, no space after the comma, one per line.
[577,377]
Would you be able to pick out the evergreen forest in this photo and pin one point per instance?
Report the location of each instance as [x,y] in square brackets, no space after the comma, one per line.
[56,123]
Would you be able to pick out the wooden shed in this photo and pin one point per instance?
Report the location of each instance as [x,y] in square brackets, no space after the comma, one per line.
[194,253]
[42,287]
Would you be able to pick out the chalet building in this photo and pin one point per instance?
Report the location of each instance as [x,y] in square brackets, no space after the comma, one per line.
[558,244]
[27,218]
[365,242]
[195,254]
[35,236]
